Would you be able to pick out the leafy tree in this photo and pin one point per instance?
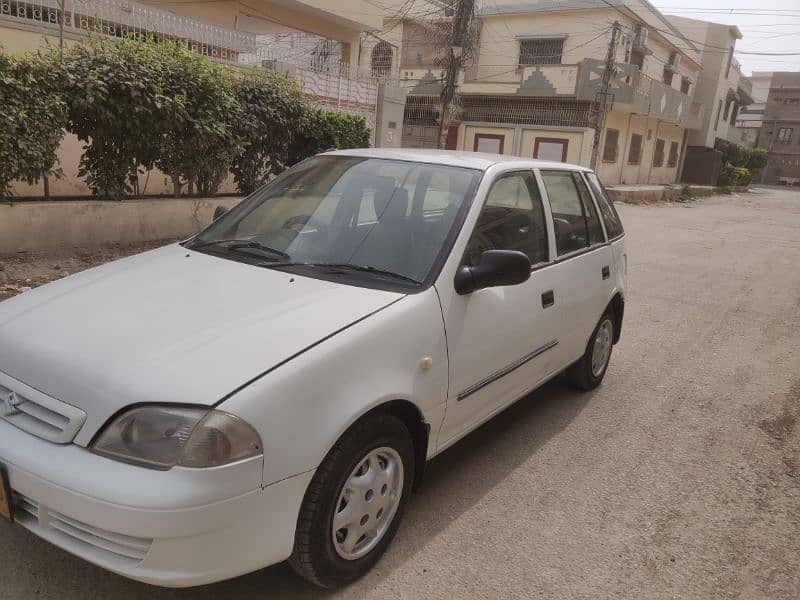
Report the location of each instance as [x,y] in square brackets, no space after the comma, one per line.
[272,107]
[32,120]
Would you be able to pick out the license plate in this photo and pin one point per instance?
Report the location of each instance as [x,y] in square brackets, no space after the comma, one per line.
[5,495]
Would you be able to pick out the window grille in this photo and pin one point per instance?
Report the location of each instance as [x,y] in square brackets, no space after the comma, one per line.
[785,135]
[558,112]
[541,52]
[382,59]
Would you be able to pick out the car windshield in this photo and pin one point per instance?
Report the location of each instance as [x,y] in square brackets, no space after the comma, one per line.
[370,218]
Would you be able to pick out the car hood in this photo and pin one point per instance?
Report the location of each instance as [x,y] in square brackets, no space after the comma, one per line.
[171,325]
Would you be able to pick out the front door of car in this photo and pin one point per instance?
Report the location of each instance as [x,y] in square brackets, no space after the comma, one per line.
[499,338]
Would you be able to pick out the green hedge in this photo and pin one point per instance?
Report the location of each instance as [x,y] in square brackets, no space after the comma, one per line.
[32,119]
[741,164]
[138,104]
[735,176]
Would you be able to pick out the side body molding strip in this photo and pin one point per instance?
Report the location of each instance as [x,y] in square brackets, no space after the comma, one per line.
[506,370]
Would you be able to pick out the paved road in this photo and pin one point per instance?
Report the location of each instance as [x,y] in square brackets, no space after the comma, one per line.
[678,478]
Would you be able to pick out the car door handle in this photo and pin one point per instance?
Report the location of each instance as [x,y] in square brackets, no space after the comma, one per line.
[606,272]
[548,299]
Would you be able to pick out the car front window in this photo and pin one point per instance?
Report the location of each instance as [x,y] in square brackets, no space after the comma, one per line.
[365,217]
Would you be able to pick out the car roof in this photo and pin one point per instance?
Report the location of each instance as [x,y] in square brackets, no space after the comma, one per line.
[454,158]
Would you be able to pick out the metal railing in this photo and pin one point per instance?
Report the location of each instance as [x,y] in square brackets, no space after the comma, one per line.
[118,18]
[315,62]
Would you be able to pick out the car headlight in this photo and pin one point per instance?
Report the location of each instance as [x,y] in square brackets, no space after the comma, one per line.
[161,437]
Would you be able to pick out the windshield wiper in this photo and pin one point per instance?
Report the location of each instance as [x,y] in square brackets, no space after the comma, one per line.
[349,267]
[240,244]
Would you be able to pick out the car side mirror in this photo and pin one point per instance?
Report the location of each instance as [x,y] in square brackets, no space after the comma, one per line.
[220,211]
[495,268]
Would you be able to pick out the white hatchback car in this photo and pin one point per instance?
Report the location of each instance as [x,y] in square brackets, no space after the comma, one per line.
[272,388]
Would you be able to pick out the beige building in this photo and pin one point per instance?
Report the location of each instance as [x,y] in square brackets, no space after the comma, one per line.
[751,117]
[315,42]
[529,89]
[722,90]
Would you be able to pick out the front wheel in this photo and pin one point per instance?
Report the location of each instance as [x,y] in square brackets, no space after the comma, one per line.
[353,506]
[588,372]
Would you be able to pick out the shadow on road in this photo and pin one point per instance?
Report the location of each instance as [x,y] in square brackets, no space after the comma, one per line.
[454,482]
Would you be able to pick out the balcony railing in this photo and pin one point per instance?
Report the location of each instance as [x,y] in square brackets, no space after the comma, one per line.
[317,65]
[118,18]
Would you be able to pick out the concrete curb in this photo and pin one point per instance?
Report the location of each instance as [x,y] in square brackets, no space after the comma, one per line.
[31,226]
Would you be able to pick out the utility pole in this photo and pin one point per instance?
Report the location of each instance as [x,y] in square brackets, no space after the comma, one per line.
[456,54]
[601,97]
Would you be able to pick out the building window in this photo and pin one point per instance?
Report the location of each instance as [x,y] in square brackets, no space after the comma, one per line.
[382,59]
[611,146]
[658,155]
[541,52]
[672,160]
[554,149]
[785,135]
[666,78]
[489,142]
[686,85]
[635,152]
[637,59]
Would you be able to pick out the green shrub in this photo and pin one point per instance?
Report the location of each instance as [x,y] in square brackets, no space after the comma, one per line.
[115,95]
[198,112]
[734,176]
[752,159]
[322,130]
[271,109]
[32,119]
[137,104]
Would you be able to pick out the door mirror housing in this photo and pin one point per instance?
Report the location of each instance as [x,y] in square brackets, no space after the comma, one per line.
[220,211]
[495,268]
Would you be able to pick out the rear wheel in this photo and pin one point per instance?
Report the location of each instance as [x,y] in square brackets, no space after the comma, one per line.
[589,371]
[353,506]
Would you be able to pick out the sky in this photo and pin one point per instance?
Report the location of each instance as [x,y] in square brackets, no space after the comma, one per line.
[766,25]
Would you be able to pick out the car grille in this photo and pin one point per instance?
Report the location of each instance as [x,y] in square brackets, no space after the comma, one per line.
[80,538]
[37,413]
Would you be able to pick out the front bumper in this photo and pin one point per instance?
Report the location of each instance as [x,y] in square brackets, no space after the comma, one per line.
[176,528]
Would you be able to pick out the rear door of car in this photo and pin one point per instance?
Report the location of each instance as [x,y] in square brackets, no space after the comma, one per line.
[581,274]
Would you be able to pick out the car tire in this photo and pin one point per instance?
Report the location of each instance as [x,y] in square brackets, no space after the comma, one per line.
[360,460]
[588,372]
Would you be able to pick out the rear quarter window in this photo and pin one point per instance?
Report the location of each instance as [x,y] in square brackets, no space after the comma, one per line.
[613,223]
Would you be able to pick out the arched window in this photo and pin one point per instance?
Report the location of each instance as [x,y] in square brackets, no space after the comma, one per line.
[382,59]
